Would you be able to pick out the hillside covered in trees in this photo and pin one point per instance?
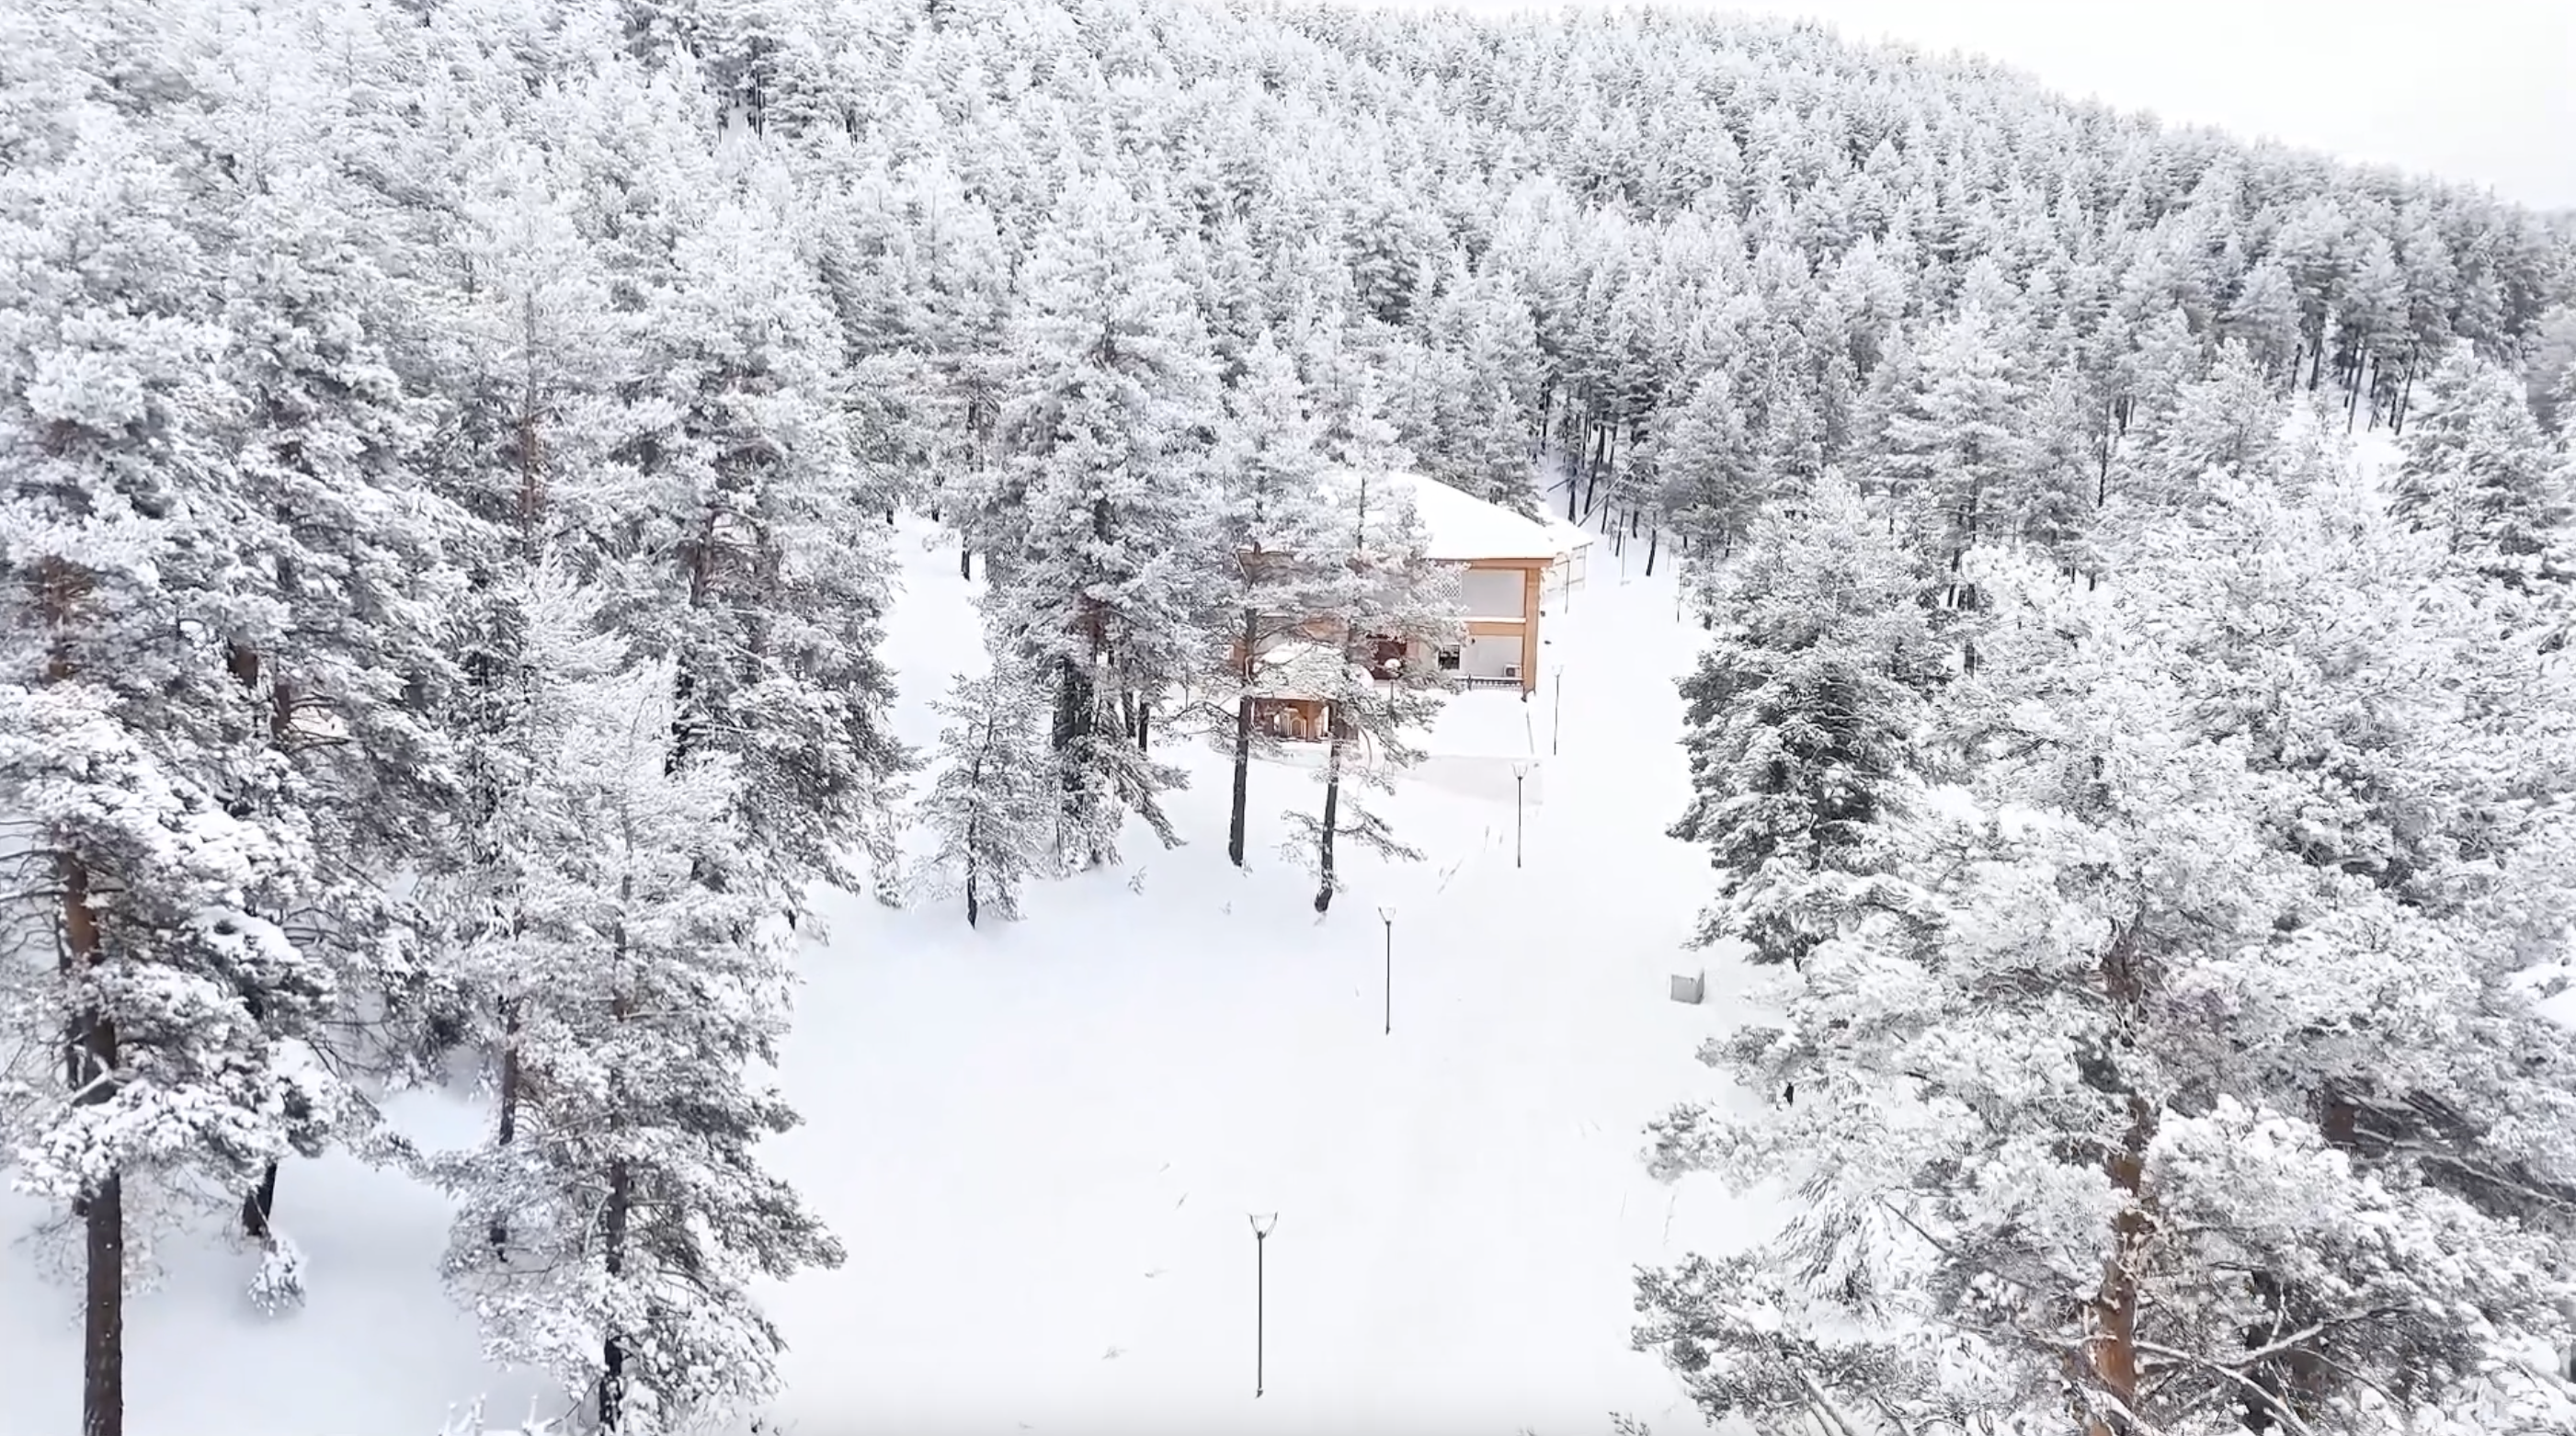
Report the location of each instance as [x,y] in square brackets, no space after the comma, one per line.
[446,456]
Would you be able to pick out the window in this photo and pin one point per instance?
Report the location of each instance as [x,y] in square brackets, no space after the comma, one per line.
[1491,593]
[1449,660]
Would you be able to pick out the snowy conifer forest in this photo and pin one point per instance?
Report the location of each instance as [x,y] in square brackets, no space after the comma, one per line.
[635,644]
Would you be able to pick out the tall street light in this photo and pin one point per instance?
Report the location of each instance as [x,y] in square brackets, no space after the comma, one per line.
[1556,721]
[1261,1225]
[1386,914]
[1520,775]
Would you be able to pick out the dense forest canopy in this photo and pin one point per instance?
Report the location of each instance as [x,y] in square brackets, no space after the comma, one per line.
[446,456]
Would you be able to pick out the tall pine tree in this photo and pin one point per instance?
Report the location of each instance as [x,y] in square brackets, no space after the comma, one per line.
[1108,418]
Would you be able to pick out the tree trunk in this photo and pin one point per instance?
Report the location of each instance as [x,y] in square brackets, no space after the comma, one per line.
[499,1234]
[621,1206]
[975,836]
[257,1207]
[1242,779]
[102,1208]
[1072,705]
[243,661]
[2405,392]
[2111,1351]
[965,559]
[1652,536]
[2102,484]
[1332,808]
[103,1329]
[1600,439]
[89,1070]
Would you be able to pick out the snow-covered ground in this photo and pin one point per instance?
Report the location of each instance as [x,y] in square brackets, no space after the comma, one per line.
[1041,1141]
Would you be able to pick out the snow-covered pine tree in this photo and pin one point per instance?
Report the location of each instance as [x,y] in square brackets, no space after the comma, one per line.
[1492,460]
[688,463]
[915,266]
[2230,420]
[1348,399]
[1384,612]
[1954,446]
[2055,497]
[1800,720]
[1107,596]
[151,820]
[2188,1078]
[528,362]
[1706,471]
[343,525]
[2478,471]
[770,577]
[1275,528]
[637,1217]
[992,805]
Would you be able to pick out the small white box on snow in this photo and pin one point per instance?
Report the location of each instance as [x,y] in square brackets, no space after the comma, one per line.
[1690,988]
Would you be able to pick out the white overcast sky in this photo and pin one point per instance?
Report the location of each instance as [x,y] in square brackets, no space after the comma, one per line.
[2482,91]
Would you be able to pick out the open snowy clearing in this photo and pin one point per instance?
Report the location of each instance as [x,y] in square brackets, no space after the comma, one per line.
[1041,1141]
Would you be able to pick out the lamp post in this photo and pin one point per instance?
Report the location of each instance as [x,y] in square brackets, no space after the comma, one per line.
[1556,719]
[1386,914]
[1261,1225]
[1520,774]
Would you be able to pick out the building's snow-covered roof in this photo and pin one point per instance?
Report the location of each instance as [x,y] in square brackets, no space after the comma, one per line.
[1570,538]
[1462,528]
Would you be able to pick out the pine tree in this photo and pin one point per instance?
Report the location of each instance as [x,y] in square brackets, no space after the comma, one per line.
[1348,397]
[2478,471]
[1107,596]
[1799,721]
[345,528]
[155,827]
[529,366]
[1492,460]
[991,807]
[1385,611]
[1273,519]
[1955,444]
[676,440]
[2054,501]
[2198,987]
[2264,316]
[1707,473]
[772,576]
[636,1216]
[2227,421]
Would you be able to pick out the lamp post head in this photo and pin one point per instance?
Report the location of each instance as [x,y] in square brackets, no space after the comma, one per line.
[1386,912]
[1262,1222]
[1520,767]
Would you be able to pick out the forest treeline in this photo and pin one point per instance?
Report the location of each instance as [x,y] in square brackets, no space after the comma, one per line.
[447,450]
